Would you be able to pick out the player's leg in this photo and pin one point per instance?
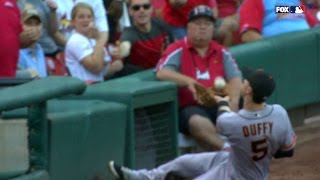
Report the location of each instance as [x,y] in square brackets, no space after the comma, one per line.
[196,122]
[189,165]
[218,169]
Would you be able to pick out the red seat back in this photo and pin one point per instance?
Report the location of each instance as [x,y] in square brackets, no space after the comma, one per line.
[56,66]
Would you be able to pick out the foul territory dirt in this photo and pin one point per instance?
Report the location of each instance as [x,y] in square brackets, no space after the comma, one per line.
[305,165]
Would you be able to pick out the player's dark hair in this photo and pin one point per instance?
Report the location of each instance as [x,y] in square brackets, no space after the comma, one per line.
[257,99]
[261,82]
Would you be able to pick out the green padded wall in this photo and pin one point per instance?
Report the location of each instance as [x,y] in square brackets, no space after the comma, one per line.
[84,137]
[293,60]
[147,75]
[152,108]
[37,175]
[34,95]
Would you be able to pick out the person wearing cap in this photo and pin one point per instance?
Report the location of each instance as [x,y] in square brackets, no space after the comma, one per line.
[49,21]
[32,58]
[197,59]
[257,133]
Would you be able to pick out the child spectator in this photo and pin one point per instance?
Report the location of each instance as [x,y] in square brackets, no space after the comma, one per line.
[86,57]
[64,8]
[32,58]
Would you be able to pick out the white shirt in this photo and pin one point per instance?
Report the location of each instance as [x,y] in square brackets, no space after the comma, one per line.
[64,14]
[78,47]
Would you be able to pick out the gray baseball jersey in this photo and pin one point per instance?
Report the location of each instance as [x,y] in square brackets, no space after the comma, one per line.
[254,138]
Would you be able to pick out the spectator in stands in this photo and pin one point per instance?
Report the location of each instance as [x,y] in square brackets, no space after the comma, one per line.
[144,42]
[197,59]
[32,59]
[64,16]
[10,30]
[258,19]
[175,13]
[314,7]
[157,6]
[86,56]
[228,12]
[47,12]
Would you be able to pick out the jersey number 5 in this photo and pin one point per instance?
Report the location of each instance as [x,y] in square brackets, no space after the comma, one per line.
[259,149]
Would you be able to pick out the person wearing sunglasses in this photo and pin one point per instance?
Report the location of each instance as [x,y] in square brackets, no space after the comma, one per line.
[143,43]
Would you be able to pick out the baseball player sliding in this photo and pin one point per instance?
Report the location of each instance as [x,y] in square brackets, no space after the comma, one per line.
[256,133]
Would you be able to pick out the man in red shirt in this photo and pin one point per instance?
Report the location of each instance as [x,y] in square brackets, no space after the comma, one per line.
[142,44]
[10,30]
[197,59]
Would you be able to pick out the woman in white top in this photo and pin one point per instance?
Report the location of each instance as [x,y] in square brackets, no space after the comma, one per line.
[86,57]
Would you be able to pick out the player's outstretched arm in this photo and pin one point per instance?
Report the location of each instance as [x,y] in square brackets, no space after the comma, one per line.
[283,154]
